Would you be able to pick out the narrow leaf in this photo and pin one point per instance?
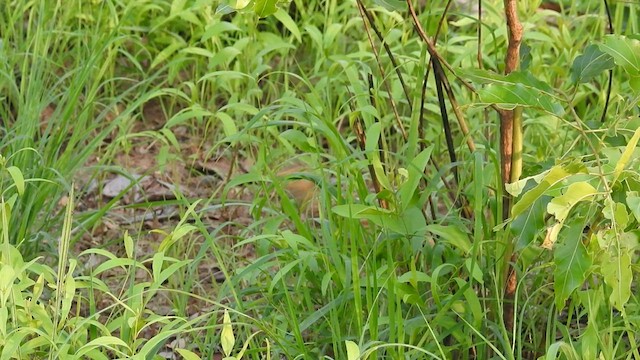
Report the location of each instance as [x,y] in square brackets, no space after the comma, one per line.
[626,155]
[416,170]
[18,179]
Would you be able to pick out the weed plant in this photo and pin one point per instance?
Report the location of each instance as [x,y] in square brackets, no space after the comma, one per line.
[400,252]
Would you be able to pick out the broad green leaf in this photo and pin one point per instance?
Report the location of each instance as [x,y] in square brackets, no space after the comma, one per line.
[18,178]
[572,264]
[616,270]
[452,235]
[590,64]
[633,201]
[526,226]
[555,175]
[227,339]
[626,155]
[409,223]
[516,188]
[516,89]
[576,192]
[265,8]
[617,213]
[228,124]
[353,351]
[626,53]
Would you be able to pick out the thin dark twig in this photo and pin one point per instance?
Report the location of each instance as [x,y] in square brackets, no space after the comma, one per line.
[396,114]
[437,72]
[606,103]
[405,88]
[479,56]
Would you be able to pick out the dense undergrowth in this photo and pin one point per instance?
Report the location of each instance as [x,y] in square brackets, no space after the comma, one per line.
[396,247]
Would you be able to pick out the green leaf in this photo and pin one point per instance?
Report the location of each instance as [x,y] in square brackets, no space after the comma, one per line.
[265,8]
[176,7]
[626,155]
[241,4]
[227,339]
[555,175]
[616,270]
[416,169]
[590,64]
[18,178]
[617,213]
[128,244]
[411,222]
[508,97]
[626,53]
[519,88]
[633,201]
[576,192]
[187,355]
[372,150]
[526,226]
[572,264]
[288,23]
[353,351]
[452,235]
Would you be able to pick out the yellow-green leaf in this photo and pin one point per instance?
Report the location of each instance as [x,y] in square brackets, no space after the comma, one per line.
[353,351]
[576,192]
[626,155]
[17,177]
[188,355]
[227,339]
[616,270]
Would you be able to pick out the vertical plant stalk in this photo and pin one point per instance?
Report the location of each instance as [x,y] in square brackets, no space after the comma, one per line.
[511,154]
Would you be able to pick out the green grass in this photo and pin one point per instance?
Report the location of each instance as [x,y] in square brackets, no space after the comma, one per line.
[415,270]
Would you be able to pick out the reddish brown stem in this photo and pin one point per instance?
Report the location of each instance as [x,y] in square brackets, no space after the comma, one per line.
[512,60]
